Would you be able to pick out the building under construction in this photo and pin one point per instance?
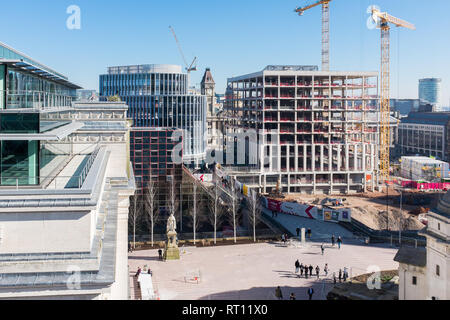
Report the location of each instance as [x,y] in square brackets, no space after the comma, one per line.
[317,131]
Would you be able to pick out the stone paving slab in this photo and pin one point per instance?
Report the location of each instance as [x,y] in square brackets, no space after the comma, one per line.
[253,271]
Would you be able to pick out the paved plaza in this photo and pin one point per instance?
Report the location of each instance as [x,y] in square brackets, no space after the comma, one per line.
[253,271]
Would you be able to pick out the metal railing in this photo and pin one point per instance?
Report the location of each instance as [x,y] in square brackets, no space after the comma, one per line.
[88,165]
[51,181]
[32,99]
[38,182]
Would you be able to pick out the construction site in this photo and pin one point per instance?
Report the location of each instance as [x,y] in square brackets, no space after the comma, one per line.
[317,131]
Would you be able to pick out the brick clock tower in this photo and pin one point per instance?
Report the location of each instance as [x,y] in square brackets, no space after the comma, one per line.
[208,89]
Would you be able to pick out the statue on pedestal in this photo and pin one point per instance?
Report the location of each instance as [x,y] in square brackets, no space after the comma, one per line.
[172,251]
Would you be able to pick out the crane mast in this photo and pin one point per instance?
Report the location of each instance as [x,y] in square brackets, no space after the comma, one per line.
[325,29]
[326,36]
[383,20]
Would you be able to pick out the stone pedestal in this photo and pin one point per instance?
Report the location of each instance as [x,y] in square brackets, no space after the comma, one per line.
[172,252]
[303,237]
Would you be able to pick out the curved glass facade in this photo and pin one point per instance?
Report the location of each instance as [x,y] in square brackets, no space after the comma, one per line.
[157,96]
[430,92]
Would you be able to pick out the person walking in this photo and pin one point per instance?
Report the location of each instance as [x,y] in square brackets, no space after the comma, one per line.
[306,271]
[301,270]
[333,240]
[297,266]
[340,275]
[334,277]
[325,269]
[292,297]
[130,247]
[322,248]
[345,274]
[318,272]
[138,272]
[310,270]
[310,293]
[278,293]
[339,242]
[160,253]
[283,239]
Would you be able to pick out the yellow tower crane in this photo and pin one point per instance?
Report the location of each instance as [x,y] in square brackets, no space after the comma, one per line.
[382,20]
[325,28]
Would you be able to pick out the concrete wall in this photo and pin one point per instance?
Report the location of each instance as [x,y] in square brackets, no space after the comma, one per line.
[407,290]
[41,232]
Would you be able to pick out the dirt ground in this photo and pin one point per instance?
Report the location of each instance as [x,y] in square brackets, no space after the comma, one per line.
[370,208]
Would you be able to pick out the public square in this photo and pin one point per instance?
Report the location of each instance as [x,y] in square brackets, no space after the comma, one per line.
[253,271]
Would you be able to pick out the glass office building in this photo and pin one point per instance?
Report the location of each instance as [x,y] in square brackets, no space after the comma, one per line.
[157,96]
[28,89]
[430,92]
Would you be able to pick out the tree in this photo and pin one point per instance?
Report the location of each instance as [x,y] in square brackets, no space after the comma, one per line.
[114,98]
[150,202]
[172,197]
[233,214]
[135,213]
[193,211]
[255,207]
[216,209]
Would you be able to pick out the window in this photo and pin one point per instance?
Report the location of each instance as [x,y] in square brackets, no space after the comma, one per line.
[438,270]
[414,281]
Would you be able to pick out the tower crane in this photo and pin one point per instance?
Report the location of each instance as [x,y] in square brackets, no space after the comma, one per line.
[325,28]
[381,20]
[193,65]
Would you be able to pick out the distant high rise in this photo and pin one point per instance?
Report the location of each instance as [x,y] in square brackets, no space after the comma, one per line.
[430,92]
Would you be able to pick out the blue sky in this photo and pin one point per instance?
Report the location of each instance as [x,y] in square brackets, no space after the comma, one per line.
[231,37]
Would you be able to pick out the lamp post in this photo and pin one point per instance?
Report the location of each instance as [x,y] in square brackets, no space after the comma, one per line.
[401,220]
[387,204]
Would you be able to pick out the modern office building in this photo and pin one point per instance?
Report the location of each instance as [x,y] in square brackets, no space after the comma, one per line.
[157,96]
[317,131]
[426,134]
[405,106]
[151,155]
[430,90]
[65,183]
[87,95]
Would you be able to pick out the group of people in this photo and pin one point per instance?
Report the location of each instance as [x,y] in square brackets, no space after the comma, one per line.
[334,241]
[342,276]
[306,270]
[139,271]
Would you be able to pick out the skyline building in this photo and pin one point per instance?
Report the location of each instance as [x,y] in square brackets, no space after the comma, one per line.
[158,96]
[430,93]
